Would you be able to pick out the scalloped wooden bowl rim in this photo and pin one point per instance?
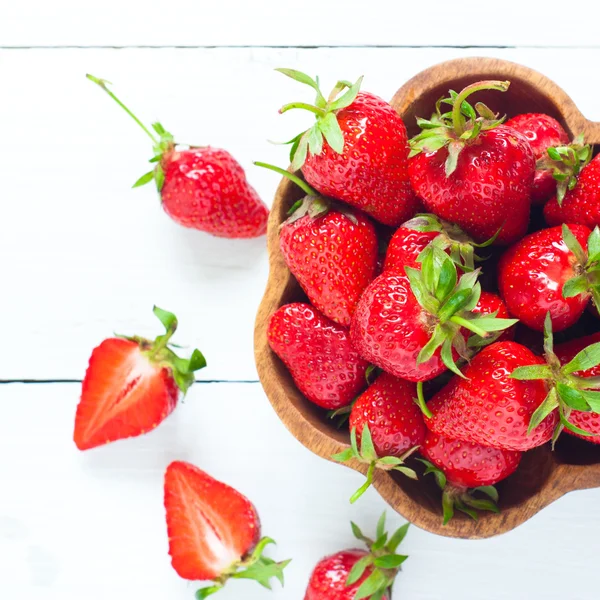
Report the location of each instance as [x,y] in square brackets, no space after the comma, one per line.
[307,425]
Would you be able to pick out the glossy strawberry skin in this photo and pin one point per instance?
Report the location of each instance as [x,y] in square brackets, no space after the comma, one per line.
[405,246]
[489,407]
[531,276]
[587,421]
[489,189]
[328,579]
[319,355]
[580,205]
[206,188]
[542,132]
[371,173]
[467,464]
[333,259]
[389,329]
[388,408]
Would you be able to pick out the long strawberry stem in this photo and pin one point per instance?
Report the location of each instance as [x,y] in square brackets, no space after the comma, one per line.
[458,120]
[299,182]
[366,485]
[102,83]
[421,400]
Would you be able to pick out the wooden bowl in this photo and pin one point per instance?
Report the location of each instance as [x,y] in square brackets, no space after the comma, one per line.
[543,476]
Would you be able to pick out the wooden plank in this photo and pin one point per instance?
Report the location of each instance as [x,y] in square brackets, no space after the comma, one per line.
[75,525]
[82,255]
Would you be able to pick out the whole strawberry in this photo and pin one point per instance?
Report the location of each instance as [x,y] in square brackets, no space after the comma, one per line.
[469,169]
[214,531]
[318,354]
[553,270]
[415,326]
[386,427]
[581,203]
[542,132]
[201,187]
[488,406]
[132,385]
[464,469]
[331,250]
[354,573]
[356,151]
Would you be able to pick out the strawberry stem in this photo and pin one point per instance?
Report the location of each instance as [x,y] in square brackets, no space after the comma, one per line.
[421,400]
[366,485]
[469,325]
[458,120]
[102,83]
[303,105]
[299,182]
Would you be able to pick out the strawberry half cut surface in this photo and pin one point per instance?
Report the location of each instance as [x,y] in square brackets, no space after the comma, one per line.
[131,386]
[214,531]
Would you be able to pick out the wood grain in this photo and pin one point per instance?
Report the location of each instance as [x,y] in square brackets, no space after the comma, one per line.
[543,476]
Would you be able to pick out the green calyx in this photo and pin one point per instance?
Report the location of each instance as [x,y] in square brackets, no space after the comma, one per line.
[587,268]
[256,566]
[326,126]
[459,126]
[448,303]
[451,238]
[565,163]
[162,141]
[366,454]
[383,560]
[159,352]
[567,391]
[462,499]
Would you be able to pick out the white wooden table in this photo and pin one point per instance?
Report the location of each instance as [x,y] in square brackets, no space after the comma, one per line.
[82,255]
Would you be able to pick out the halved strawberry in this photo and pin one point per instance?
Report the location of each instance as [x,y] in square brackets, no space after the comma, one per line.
[131,386]
[214,531]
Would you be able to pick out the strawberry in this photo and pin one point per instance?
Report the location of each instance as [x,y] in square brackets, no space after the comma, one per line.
[387,426]
[414,326]
[459,465]
[491,304]
[581,203]
[356,151]
[488,406]
[131,386]
[542,132]
[214,531]
[549,270]
[201,187]
[330,250]
[352,574]
[474,172]
[318,354]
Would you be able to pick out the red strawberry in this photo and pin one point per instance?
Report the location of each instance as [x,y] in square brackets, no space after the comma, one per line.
[581,203]
[214,531]
[131,386]
[414,326]
[356,151]
[542,132]
[386,428]
[489,407]
[318,354]
[354,573]
[550,271]
[475,173]
[331,251]
[201,187]
[460,465]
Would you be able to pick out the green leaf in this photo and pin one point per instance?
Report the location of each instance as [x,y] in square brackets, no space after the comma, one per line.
[454,303]
[488,490]
[379,543]
[543,410]
[573,244]
[418,287]
[447,280]
[358,534]
[548,337]
[372,584]
[348,97]
[575,286]
[301,152]
[303,78]
[398,537]
[532,372]
[389,461]
[358,569]
[330,128]
[343,456]
[380,525]
[208,591]
[454,149]
[367,450]
[263,571]
[593,244]
[481,504]
[571,397]
[168,319]
[428,271]
[460,505]
[553,153]
[390,561]
[196,361]
[586,359]
[435,341]
[447,507]
[448,359]
[489,323]
[144,179]
[315,140]
[592,398]
[438,474]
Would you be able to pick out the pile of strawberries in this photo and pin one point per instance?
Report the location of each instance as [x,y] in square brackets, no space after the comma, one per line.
[435,271]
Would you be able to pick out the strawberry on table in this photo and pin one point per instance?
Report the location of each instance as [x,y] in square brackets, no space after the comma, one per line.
[214,531]
[201,187]
[555,270]
[354,573]
[356,151]
[466,472]
[469,169]
[386,427]
[319,355]
[542,132]
[331,249]
[131,386]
